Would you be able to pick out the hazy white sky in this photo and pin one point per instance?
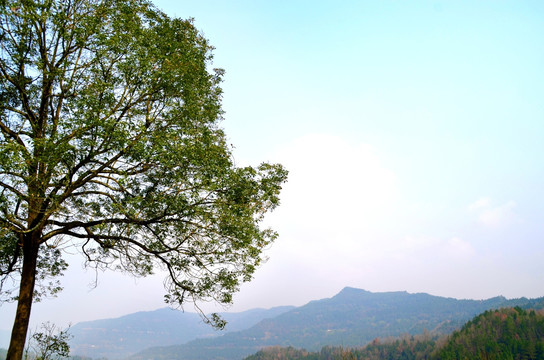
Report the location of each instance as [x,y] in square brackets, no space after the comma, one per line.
[414,136]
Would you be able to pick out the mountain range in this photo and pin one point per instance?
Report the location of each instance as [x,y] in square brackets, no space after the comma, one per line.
[506,333]
[353,317]
[120,337]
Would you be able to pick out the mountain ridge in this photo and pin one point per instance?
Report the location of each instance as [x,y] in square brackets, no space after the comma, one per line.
[353,317]
[116,338]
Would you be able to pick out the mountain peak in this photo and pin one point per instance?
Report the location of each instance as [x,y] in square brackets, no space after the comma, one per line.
[348,292]
[353,290]
[349,289]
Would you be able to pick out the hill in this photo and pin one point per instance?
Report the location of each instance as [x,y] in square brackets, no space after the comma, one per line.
[500,334]
[507,333]
[352,318]
[120,337]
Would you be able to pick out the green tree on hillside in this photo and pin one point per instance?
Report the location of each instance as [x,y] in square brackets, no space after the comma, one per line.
[511,333]
[505,334]
[110,142]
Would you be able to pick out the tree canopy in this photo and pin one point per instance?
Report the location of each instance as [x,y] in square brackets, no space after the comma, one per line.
[110,141]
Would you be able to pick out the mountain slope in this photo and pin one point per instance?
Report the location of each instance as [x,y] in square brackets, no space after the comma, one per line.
[510,333]
[120,337]
[507,333]
[351,318]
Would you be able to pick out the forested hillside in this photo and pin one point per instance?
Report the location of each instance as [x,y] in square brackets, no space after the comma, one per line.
[500,334]
[509,333]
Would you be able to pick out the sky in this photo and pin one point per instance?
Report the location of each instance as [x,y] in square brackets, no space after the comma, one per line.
[413,132]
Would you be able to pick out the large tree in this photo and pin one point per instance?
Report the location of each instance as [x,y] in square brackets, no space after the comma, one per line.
[110,142]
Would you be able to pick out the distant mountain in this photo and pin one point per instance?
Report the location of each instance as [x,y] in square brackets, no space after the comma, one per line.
[353,317]
[121,337]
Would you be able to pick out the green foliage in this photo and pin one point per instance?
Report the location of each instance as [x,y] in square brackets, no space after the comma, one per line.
[401,349]
[110,140]
[49,343]
[511,333]
[279,353]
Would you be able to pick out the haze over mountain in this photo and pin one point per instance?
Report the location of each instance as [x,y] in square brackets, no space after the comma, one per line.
[353,317]
[121,337]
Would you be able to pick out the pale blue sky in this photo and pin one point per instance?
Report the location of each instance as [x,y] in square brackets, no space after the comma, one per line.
[414,134]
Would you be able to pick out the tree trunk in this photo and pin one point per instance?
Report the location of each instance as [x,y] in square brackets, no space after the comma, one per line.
[24,303]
